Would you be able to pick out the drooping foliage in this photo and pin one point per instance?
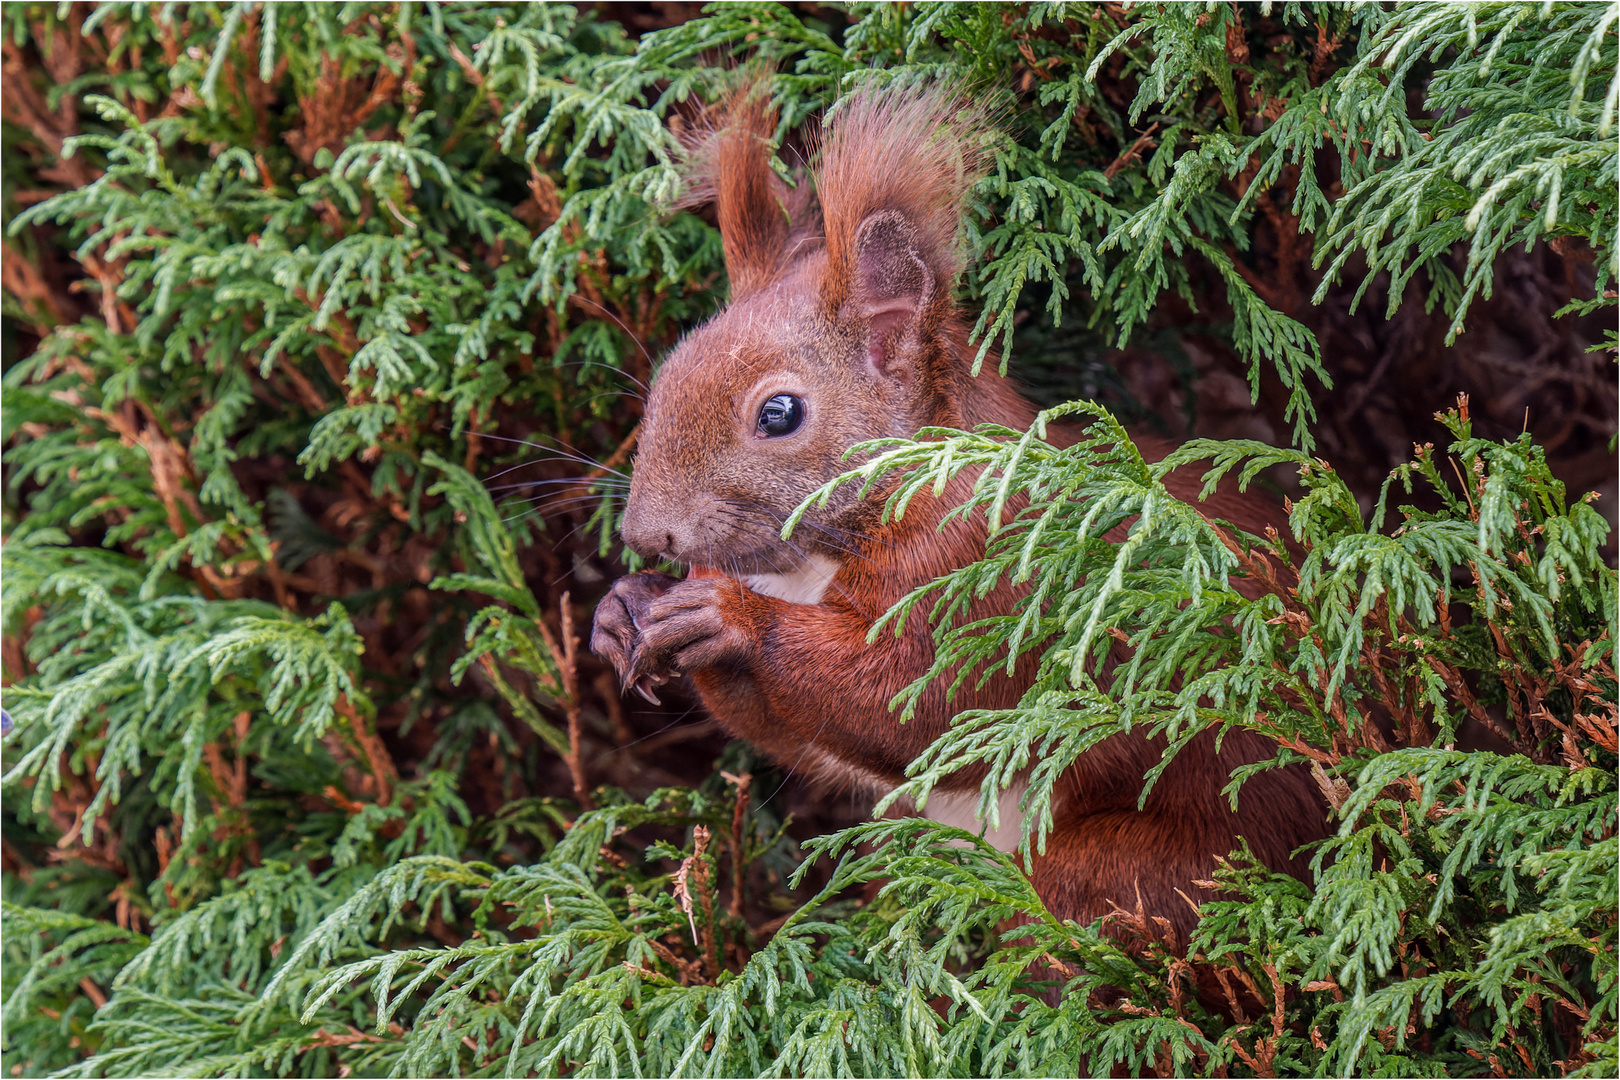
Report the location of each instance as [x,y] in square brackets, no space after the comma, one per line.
[322,327]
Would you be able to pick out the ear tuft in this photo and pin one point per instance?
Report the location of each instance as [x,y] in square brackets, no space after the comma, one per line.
[895,169]
[728,161]
[892,286]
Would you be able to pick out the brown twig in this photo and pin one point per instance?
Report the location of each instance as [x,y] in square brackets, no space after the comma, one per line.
[1322,54]
[1136,148]
[570,686]
[95,993]
[687,971]
[24,281]
[705,894]
[739,818]
[354,1035]
[1460,689]
[476,77]
[378,759]
[694,874]
[1414,730]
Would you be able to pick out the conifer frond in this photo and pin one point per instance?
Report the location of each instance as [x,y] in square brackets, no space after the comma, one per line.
[288,662]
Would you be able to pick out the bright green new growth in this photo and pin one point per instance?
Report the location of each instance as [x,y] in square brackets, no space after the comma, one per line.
[1462,919]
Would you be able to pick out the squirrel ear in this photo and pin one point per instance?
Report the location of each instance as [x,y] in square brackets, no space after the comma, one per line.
[749,200]
[727,161]
[892,287]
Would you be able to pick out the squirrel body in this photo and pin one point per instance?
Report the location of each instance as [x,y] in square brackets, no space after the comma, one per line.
[842,328]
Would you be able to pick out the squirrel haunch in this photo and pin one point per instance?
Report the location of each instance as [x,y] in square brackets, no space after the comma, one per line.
[843,319]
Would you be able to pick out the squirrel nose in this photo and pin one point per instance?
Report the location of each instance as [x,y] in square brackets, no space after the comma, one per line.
[646,535]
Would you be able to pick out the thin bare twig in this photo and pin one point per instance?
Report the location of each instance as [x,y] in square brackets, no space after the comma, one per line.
[1130,155]
[570,685]
[739,818]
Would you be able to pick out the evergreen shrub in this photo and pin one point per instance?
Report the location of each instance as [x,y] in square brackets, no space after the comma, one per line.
[321,327]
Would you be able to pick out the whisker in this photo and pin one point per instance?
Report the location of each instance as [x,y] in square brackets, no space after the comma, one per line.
[690,709]
[549,514]
[613,393]
[571,533]
[553,509]
[832,543]
[835,542]
[567,453]
[561,481]
[745,525]
[806,558]
[556,366]
[773,547]
[561,508]
[554,454]
[533,511]
[795,767]
[605,367]
[627,332]
[839,530]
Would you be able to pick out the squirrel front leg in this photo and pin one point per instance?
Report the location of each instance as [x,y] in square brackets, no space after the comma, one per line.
[785,676]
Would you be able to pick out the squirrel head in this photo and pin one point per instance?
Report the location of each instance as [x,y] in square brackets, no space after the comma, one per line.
[836,332]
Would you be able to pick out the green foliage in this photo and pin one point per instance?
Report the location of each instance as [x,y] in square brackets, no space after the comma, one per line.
[296,696]
[1497,869]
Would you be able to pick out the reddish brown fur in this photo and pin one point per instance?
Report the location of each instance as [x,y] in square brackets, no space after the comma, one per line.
[864,329]
[730,166]
[899,152]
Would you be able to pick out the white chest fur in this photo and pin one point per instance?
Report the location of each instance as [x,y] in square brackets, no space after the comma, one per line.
[806,585]
[957,808]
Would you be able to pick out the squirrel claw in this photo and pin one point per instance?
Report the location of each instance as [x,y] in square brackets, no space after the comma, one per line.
[641,672]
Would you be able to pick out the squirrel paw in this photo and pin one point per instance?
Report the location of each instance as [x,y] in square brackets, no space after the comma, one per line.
[692,625]
[616,630]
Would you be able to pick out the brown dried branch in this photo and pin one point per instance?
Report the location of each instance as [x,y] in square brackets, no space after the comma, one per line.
[475,77]
[687,972]
[1414,730]
[1524,695]
[119,316]
[23,280]
[694,874]
[569,668]
[329,1039]
[1322,55]
[380,763]
[22,104]
[705,894]
[303,389]
[338,106]
[1130,156]
[739,819]
[96,994]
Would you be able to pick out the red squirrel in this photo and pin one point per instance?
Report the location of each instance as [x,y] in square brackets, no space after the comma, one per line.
[843,327]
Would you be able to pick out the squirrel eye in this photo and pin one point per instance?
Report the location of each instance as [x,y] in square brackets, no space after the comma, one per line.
[781,415]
